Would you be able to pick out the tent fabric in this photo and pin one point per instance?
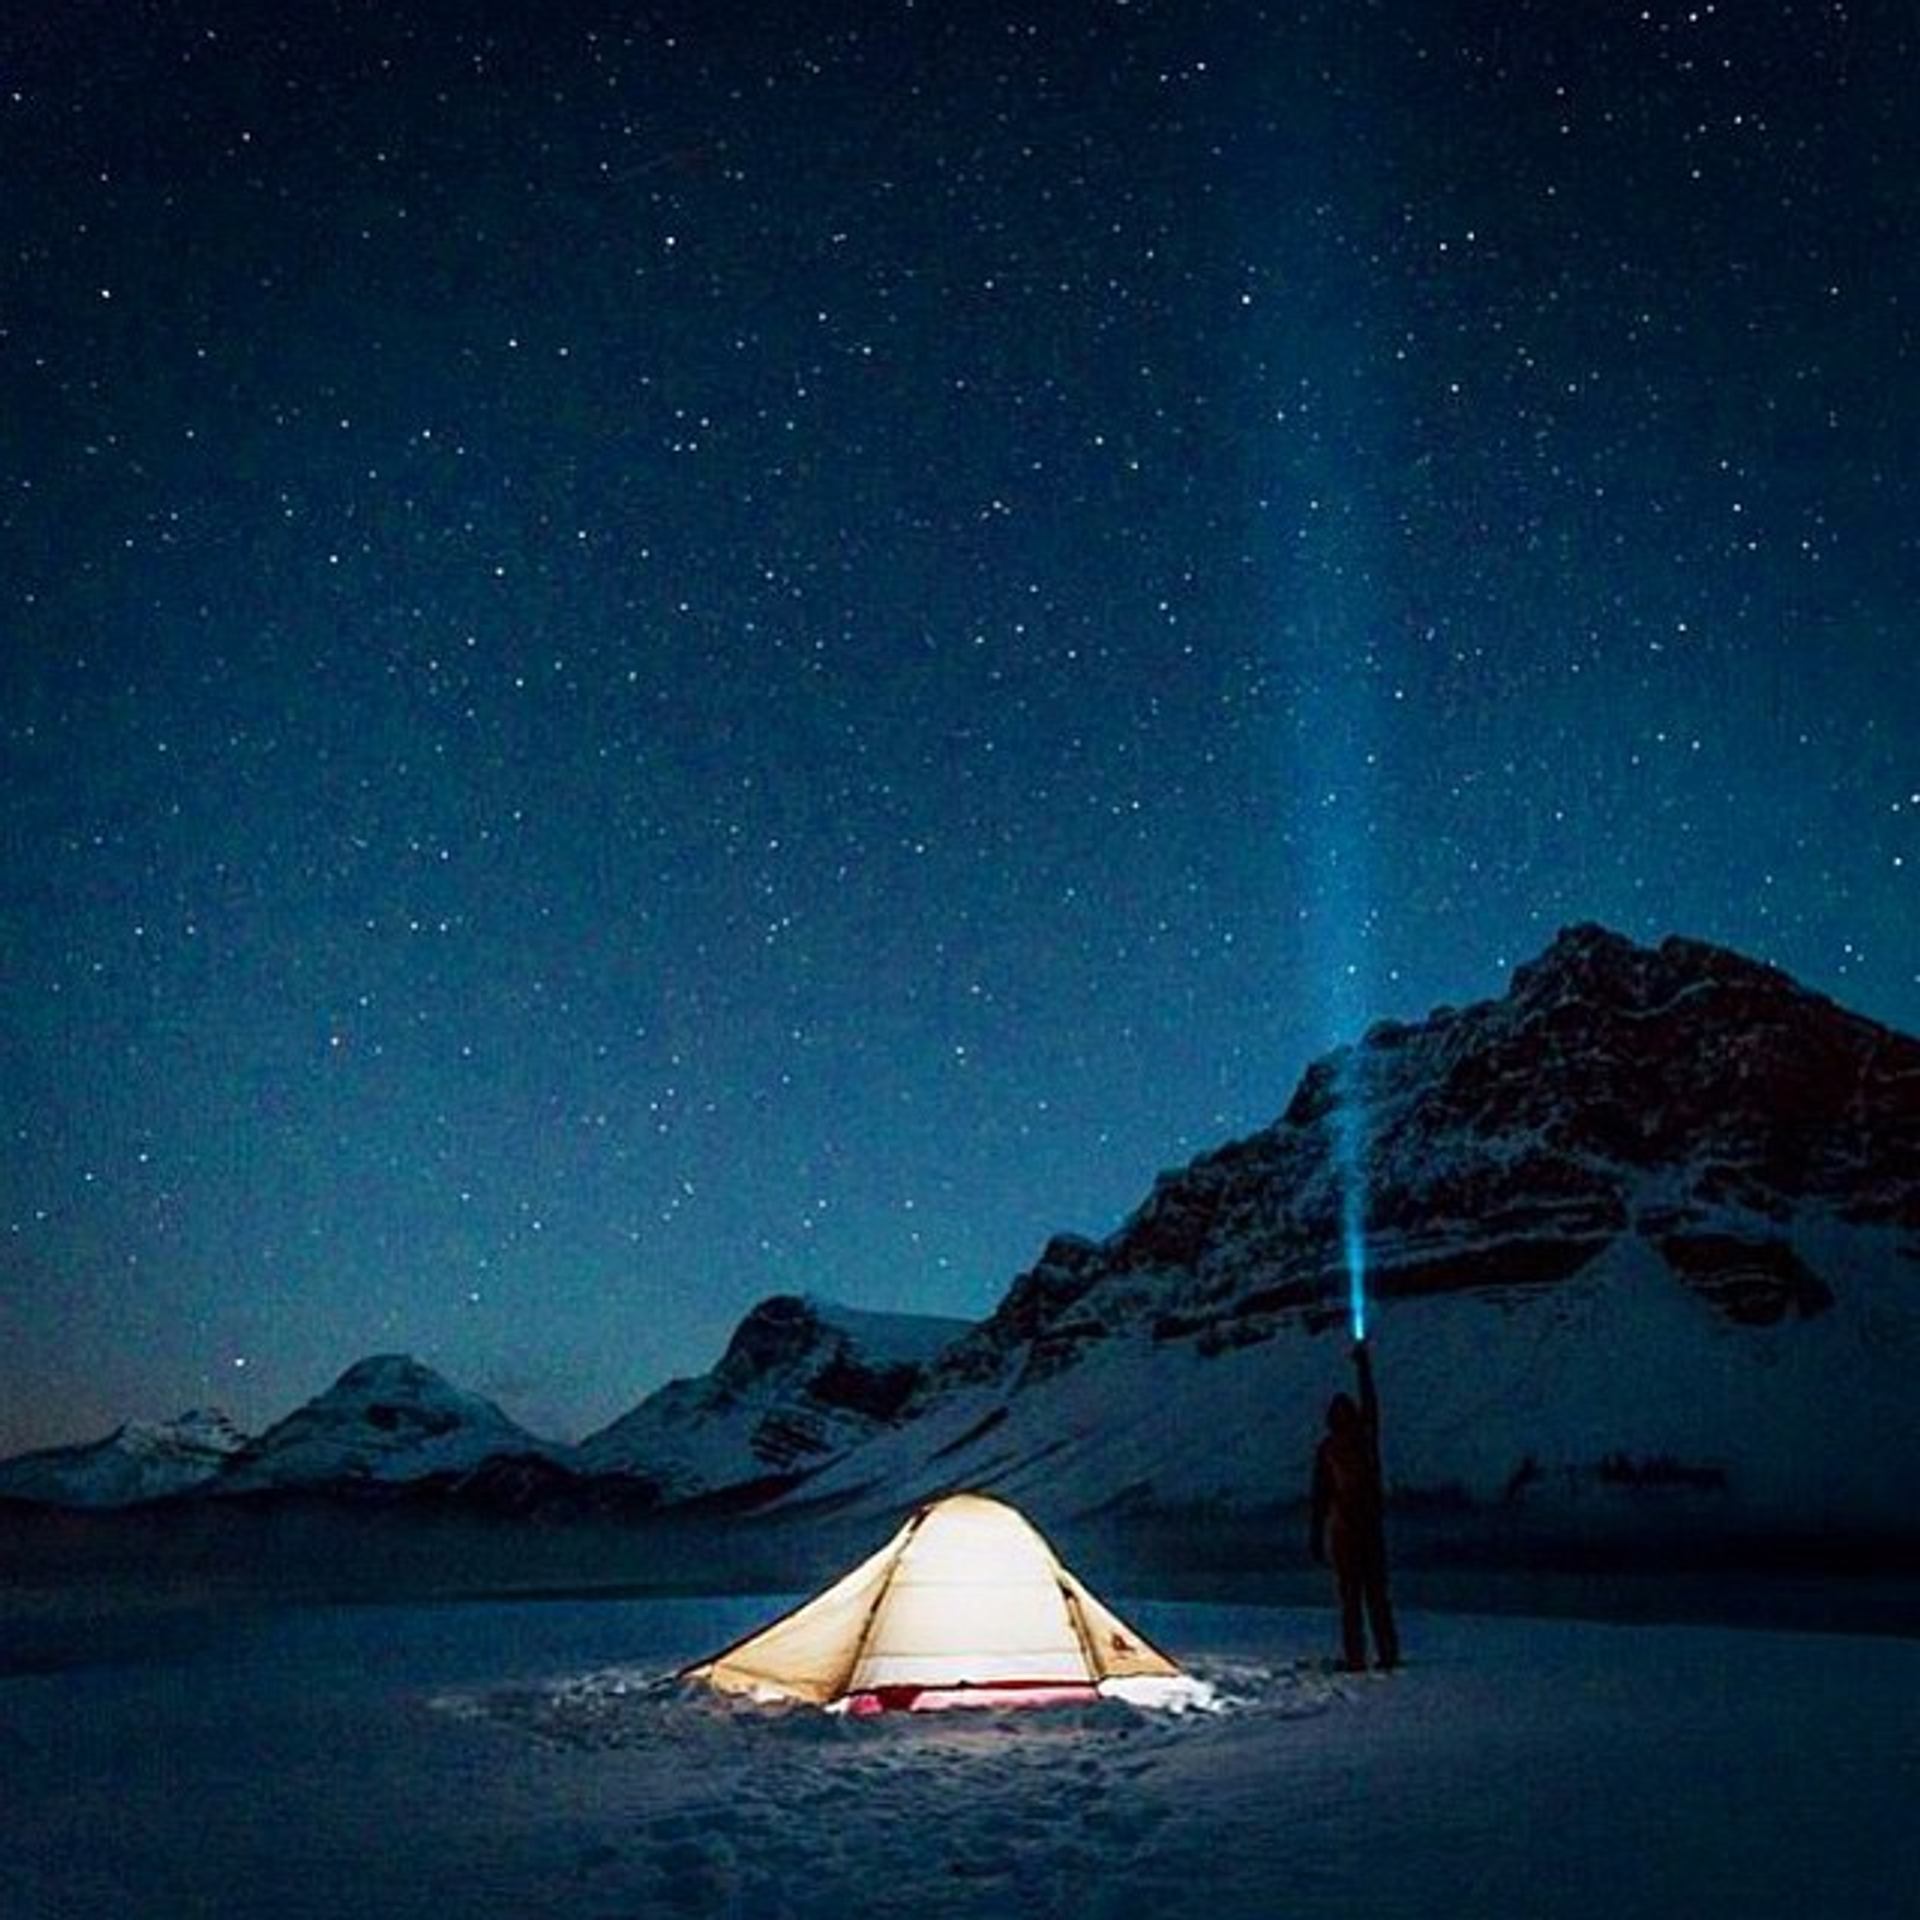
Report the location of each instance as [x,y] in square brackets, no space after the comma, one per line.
[966,1595]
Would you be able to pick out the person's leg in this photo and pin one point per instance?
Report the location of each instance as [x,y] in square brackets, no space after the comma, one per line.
[1353,1634]
[1386,1639]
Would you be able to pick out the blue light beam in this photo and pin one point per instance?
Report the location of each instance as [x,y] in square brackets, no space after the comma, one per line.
[1349,1123]
[1344,662]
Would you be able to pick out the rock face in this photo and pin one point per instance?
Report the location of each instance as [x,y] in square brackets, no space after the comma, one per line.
[1652,1204]
[801,1381]
[387,1419]
[143,1460]
[1698,1101]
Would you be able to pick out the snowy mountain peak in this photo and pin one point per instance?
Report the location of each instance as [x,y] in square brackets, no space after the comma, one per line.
[392,1373]
[802,1379]
[388,1417]
[141,1460]
[773,1336]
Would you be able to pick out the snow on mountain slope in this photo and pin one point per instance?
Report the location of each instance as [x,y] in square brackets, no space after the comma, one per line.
[388,1419]
[142,1460]
[1617,1397]
[801,1381]
[1645,1232]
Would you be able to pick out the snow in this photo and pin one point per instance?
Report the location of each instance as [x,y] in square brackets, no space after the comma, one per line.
[1620,1360]
[141,1460]
[386,1418]
[756,1414]
[536,1759]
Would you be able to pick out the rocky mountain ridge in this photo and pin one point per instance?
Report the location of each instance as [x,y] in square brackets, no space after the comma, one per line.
[801,1381]
[1683,1094]
[1646,1225]
[1676,1156]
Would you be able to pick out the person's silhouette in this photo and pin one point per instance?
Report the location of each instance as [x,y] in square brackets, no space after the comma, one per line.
[1349,1520]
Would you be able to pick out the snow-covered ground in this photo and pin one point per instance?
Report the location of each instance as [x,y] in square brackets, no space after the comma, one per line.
[467,1761]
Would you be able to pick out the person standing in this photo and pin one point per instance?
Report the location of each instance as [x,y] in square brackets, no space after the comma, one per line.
[1349,1520]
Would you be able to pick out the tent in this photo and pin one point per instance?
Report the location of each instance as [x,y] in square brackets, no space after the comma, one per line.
[965,1606]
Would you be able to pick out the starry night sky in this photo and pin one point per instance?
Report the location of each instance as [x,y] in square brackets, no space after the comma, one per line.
[653,655]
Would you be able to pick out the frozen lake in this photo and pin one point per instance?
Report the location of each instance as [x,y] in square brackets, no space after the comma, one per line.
[467,1761]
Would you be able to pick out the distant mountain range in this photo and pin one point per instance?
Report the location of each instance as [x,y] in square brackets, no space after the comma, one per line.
[1643,1237]
[801,1382]
[143,1460]
[386,1420]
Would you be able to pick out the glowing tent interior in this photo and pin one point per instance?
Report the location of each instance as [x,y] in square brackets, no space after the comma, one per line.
[965,1606]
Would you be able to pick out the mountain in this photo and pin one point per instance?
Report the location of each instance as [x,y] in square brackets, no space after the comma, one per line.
[142,1460]
[800,1382]
[386,1420]
[1642,1236]
[1642,1242]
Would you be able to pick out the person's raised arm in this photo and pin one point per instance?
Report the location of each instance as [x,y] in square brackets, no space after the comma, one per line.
[1369,1396]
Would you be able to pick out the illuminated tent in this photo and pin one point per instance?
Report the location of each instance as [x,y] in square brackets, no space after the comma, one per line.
[965,1606]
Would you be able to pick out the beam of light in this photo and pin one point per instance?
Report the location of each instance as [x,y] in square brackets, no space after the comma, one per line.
[1347,1133]
[1342,915]
[1349,1142]
[1338,475]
